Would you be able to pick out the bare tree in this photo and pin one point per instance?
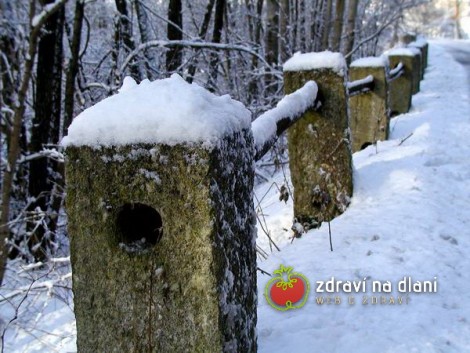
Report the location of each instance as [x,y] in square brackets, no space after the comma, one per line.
[174,56]
[338,25]
[123,38]
[220,6]
[272,31]
[144,29]
[202,35]
[45,128]
[350,27]
[326,24]
[36,24]
[73,66]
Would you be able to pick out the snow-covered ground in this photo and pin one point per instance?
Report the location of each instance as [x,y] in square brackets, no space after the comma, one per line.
[409,216]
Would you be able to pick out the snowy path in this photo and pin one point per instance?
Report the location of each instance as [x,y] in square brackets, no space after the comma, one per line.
[460,51]
[410,216]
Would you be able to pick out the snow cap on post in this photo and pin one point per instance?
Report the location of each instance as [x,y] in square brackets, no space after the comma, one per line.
[169,111]
[371,61]
[315,61]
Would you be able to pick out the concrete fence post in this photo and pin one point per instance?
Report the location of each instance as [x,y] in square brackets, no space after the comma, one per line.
[370,112]
[319,143]
[417,72]
[407,38]
[401,89]
[161,222]
[422,45]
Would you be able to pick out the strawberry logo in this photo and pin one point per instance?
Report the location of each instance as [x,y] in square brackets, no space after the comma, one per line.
[287,290]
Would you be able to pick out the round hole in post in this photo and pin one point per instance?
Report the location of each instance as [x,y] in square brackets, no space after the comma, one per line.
[139,227]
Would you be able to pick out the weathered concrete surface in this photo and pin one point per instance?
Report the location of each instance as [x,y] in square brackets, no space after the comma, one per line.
[401,89]
[319,150]
[417,70]
[195,290]
[370,113]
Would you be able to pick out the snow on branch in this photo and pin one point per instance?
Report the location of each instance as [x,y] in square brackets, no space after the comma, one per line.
[47,10]
[193,44]
[360,86]
[45,153]
[396,72]
[270,125]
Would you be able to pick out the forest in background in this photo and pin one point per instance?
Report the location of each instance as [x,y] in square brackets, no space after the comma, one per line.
[59,57]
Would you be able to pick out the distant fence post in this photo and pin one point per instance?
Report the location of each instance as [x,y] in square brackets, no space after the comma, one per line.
[162,223]
[369,111]
[407,38]
[319,143]
[422,45]
[401,89]
[417,71]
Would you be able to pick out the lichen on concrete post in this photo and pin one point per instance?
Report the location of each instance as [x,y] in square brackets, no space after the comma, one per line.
[161,222]
[401,89]
[319,143]
[370,112]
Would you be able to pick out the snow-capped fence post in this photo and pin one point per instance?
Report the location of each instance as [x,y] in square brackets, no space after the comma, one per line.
[319,143]
[161,221]
[417,70]
[401,88]
[422,45]
[407,38]
[369,111]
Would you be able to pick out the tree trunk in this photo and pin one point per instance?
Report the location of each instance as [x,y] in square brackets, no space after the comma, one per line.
[144,29]
[271,43]
[283,30]
[272,32]
[350,28]
[123,37]
[216,38]
[302,27]
[14,143]
[73,63]
[45,129]
[315,25]
[255,18]
[202,36]
[458,27]
[338,25]
[174,56]
[326,25]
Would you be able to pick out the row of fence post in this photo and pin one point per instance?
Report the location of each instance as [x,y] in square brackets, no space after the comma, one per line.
[322,142]
[162,235]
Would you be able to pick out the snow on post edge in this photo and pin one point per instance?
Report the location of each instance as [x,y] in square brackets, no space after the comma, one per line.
[312,61]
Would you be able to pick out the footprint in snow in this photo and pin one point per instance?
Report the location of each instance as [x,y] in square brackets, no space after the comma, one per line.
[450,239]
